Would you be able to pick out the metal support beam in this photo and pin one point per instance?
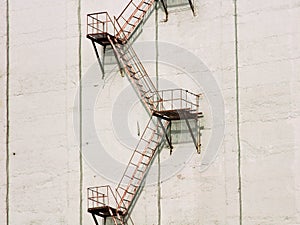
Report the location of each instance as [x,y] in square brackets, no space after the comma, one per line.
[166,134]
[191,131]
[165,7]
[104,50]
[170,127]
[192,7]
[198,136]
[95,219]
[121,68]
[161,116]
[98,59]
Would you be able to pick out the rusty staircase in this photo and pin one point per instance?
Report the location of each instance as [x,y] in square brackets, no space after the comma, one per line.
[163,107]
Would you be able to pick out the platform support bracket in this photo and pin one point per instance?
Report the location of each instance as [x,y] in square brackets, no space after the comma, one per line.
[192,7]
[166,135]
[101,64]
[95,219]
[191,132]
[165,7]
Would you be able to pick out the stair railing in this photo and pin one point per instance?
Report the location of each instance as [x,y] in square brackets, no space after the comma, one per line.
[126,215]
[138,66]
[131,11]
[100,22]
[177,99]
[132,157]
[100,196]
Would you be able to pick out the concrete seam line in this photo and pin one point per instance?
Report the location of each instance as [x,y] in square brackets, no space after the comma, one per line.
[158,156]
[7,113]
[80,114]
[238,114]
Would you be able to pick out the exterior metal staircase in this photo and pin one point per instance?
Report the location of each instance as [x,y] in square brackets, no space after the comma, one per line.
[162,106]
[136,74]
[132,15]
[139,165]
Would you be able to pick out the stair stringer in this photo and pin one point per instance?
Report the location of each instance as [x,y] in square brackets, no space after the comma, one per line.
[137,76]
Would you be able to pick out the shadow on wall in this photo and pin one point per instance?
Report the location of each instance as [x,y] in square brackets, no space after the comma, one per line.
[177,3]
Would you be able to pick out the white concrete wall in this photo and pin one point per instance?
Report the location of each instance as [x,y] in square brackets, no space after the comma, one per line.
[269,114]
[210,197]
[3,111]
[44,172]
[44,77]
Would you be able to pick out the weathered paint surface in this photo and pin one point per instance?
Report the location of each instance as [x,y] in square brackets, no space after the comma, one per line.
[44,157]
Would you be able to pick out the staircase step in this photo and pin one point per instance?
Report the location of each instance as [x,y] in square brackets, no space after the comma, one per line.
[150,128]
[126,200]
[145,92]
[150,103]
[126,191]
[132,177]
[137,178]
[132,72]
[142,10]
[144,163]
[131,68]
[148,97]
[156,142]
[141,171]
[136,186]
[128,177]
[134,164]
[134,77]
[152,149]
[131,24]
[129,59]
[145,140]
[143,154]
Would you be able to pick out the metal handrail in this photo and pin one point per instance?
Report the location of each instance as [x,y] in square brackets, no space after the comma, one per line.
[137,7]
[121,202]
[127,6]
[176,99]
[118,195]
[100,22]
[132,13]
[136,60]
[149,122]
[100,196]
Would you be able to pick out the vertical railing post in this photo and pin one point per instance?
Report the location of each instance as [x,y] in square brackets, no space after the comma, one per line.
[186,99]
[88,198]
[172,99]
[181,99]
[162,100]
[197,103]
[107,195]
[106,23]
[97,24]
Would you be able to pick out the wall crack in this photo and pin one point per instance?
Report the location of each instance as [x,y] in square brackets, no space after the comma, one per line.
[7,115]
[238,114]
[80,114]
[158,155]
